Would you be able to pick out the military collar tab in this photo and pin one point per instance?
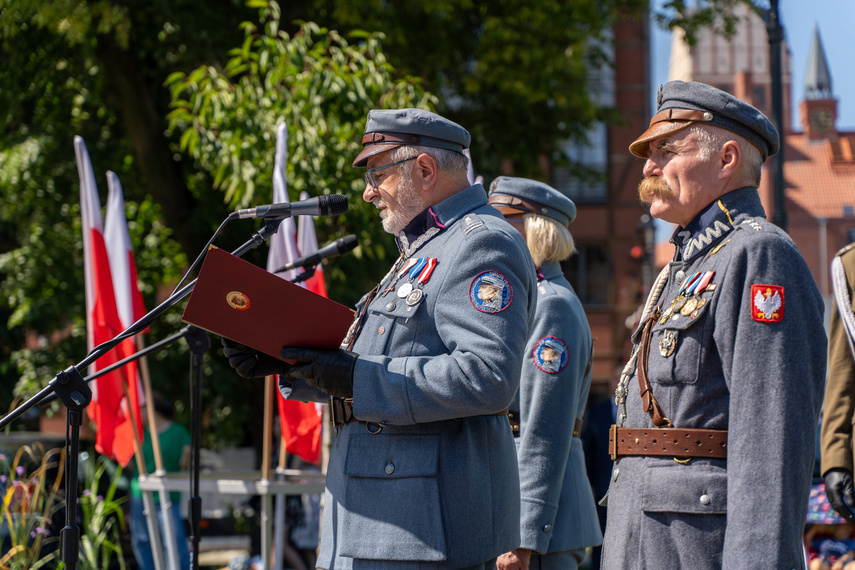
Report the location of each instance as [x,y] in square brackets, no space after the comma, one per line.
[716,220]
[436,218]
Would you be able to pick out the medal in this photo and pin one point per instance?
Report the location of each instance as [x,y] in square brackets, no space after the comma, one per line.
[689,306]
[667,344]
[404,290]
[414,297]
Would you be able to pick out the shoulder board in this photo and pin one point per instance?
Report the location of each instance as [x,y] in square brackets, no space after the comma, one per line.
[545,288]
[472,223]
[849,247]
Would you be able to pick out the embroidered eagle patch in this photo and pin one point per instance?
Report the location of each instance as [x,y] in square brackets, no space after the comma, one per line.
[767,303]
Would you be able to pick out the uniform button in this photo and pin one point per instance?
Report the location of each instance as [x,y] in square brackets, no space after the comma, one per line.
[390,469]
[705,499]
[547,528]
[381,330]
[467,219]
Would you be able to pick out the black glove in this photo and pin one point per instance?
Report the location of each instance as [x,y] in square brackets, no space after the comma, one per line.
[838,489]
[249,363]
[327,370]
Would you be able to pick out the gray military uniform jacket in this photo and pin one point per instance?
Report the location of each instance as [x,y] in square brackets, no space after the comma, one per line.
[558,508]
[751,360]
[438,486]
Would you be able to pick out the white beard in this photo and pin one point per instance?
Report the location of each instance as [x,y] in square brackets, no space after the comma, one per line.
[410,204]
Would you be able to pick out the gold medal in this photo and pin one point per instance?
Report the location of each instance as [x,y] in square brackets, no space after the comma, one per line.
[701,303]
[689,306]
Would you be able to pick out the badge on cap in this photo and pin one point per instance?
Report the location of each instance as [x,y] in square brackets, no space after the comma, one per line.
[490,292]
[550,354]
[767,303]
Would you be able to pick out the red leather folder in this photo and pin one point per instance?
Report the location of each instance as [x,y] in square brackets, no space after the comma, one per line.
[243,302]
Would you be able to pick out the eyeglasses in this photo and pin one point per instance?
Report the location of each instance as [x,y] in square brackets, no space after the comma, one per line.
[369,175]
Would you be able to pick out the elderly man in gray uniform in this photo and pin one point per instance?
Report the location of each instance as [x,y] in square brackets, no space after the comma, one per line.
[559,515]
[718,405]
[422,471]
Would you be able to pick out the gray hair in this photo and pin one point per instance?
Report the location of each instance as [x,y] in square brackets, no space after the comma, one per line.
[712,139]
[448,161]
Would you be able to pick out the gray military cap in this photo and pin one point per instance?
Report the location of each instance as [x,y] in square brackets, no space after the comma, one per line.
[683,103]
[388,128]
[515,195]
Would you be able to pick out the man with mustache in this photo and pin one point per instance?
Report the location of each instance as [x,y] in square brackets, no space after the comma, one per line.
[422,470]
[718,404]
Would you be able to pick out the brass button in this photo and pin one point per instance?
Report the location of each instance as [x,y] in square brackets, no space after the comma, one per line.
[547,528]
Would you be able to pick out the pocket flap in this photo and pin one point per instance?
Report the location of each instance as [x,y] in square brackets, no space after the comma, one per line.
[699,489]
[392,456]
[397,307]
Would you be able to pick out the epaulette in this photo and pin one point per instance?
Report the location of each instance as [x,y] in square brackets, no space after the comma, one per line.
[845,249]
[471,223]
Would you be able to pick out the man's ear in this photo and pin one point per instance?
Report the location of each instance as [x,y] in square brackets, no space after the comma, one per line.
[426,170]
[730,157]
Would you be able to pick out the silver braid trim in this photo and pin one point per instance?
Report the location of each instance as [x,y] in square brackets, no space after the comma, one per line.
[844,302]
[628,370]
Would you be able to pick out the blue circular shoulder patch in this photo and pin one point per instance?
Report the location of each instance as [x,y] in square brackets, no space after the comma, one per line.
[550,354]
[490,292]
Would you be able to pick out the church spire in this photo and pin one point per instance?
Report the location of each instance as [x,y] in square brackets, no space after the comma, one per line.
[817,78]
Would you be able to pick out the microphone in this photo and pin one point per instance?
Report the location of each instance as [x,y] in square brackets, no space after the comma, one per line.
[341,245]
[326,205]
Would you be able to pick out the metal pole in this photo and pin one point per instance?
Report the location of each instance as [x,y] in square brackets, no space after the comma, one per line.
[776,35]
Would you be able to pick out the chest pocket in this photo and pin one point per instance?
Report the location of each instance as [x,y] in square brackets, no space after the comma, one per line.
[675,347]
[390,317]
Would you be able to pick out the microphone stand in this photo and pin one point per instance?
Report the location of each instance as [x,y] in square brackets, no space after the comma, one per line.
[70,387]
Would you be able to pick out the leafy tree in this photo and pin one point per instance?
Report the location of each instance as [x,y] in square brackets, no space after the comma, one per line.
[513,71]
[322,87]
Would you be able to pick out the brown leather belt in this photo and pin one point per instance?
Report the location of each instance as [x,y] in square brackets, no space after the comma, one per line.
[514,420]
[674,442]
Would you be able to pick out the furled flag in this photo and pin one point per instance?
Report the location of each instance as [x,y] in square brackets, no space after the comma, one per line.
[307,244]
[300,421]
[129,301]
[102,318]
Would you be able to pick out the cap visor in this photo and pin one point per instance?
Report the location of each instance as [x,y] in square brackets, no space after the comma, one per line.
[361,160]
[640,147]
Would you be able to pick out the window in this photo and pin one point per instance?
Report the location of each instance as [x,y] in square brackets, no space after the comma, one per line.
[588,271]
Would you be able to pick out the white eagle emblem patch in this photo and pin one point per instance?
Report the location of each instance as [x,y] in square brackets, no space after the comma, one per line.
[767,303]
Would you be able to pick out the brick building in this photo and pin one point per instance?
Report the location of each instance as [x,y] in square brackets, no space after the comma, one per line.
[609,272]
[819,160]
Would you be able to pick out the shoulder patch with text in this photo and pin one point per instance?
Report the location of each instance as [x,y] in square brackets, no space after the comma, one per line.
[490,292]
[550,354]
[767,303]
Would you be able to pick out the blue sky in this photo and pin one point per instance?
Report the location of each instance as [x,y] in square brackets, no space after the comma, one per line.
[835,19]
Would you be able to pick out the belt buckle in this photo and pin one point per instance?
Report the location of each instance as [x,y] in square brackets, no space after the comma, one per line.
[613,443]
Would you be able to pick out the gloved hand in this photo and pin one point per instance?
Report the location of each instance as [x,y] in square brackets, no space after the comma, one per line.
[327,370]
[841,495]
[249,363]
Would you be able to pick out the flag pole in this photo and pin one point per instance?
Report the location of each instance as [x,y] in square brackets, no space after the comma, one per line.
[166,505]
[266,498]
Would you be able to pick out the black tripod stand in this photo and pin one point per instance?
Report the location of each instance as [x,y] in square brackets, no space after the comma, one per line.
[72,389]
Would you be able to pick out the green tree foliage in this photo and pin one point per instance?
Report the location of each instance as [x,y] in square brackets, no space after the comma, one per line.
[513,72]
[322,87]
